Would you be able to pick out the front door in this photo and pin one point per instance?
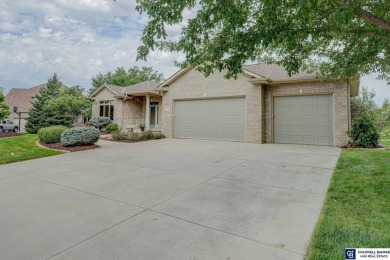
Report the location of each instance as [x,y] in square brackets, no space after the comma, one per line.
[153,114]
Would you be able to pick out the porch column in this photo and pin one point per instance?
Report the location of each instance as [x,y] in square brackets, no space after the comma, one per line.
[147,112]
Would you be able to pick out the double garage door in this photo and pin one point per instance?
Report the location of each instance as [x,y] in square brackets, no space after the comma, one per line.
[218,119]
[297,119]
[303,120]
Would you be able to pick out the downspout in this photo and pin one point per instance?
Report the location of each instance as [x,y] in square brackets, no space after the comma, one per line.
[349,108]
[122,114]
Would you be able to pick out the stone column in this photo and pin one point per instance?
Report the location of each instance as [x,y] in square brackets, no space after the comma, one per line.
[147,112]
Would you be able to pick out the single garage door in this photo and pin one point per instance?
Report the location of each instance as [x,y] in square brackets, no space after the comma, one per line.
[218,119]
[303,120]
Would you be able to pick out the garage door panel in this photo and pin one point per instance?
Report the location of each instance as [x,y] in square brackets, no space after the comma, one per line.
[324,119]
[303,119]
[310,109]
[323,109]
[221,119]
[295,119]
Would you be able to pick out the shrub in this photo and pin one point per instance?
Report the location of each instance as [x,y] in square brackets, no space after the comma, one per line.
[364,133]
[147,135]
[136,137]
[118,135]
[51,134]
[80,136]
[99,121]
[111,127]
[158,136]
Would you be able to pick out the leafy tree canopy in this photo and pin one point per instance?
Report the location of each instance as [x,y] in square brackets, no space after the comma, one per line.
[70,103]
[342,37]
[4,108]
[121,77]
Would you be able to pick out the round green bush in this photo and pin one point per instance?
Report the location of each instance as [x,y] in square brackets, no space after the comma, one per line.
[80,136]
[51,134]
[364,133]
[111,127]
[99,121]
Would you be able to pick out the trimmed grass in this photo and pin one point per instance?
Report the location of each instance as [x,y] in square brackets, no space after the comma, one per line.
[20,148]
[356,213]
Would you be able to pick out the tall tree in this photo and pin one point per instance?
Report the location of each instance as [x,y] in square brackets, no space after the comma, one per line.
[121,77]
[4,108]
[342,37]
[38,115]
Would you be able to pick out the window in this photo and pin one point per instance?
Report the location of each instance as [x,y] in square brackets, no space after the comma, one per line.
[107,109]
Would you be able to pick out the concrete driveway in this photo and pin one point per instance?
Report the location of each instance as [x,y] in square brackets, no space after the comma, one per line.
[165,199]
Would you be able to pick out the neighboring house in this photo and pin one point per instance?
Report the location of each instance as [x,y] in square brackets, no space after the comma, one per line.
[129,106]
[263,105]
[20,101]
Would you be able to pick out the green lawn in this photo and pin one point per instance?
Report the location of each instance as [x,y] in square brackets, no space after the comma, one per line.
[20,148]
[356,213]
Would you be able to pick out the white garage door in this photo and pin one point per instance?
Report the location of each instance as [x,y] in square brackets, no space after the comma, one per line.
[219,119]
[303,120]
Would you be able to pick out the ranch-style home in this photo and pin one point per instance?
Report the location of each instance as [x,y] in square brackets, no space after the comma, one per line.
[263,105]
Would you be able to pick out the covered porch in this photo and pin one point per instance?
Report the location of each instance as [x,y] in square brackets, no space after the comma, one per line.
[141,107]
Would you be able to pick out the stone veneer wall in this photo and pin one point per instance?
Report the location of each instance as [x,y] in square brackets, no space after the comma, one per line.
[193,85]
[105,95]
[340,92]
[132,112]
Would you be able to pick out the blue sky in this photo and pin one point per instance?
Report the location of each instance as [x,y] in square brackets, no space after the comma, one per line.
[78,39]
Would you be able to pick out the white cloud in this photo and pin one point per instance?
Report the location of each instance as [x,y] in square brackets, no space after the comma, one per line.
[75,39]
[78,39]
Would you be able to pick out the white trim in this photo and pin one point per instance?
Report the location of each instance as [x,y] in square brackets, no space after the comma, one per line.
[173,78]
[101,88]
[252,74]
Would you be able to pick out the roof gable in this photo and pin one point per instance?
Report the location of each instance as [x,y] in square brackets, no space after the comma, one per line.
[263,73]
[22,98]
[114,89]
[139,88]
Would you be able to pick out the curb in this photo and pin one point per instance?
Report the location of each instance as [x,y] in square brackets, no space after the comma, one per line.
[38,144]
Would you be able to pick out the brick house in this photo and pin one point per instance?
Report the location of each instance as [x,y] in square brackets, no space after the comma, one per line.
[263,105]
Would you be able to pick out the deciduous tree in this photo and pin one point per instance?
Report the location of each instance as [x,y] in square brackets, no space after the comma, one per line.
[342,37]
[70,103]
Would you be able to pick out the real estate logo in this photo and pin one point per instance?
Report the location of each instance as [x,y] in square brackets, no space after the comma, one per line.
[350,253]
[366,253]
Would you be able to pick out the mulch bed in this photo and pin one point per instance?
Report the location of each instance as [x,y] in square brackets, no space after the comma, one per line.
[60,146]
[8,134]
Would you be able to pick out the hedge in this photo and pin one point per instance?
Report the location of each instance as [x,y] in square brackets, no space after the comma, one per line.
[51,134]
